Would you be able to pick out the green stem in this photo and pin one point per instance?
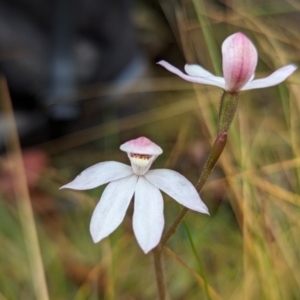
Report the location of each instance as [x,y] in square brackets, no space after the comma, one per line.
[212,159]
[228,106]
[159,273]
[200,265]
[227,111]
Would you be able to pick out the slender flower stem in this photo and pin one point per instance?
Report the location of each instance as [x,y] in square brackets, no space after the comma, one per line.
[159,272]
[228,106]
[229,102]
[213,157]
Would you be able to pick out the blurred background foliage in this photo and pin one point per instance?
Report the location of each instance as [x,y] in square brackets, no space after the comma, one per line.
[248,247]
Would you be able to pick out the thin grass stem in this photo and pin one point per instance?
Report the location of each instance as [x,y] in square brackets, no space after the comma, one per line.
[199,262]
[24,203]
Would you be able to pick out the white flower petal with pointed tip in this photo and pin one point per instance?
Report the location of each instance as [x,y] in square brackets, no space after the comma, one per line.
[177,187]
[148,218]
[99,174]
[239,63]
[126,181]
[110,211]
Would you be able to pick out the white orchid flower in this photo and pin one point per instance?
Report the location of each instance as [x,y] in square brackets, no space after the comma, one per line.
[239,64]
[137,180]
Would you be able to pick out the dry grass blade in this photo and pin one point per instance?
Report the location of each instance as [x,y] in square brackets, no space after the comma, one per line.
[178,147]
[23,200]
[89,135]
[267,169]
[276,191]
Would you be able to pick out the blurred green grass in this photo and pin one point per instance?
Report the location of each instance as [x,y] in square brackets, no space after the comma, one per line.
[249,246]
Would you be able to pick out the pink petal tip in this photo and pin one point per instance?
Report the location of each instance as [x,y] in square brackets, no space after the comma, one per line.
[141,145]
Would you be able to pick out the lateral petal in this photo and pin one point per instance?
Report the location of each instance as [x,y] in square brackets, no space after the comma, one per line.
[275,78]
[110,210]
[211,80]
[148,218]
[99,174]
[178,187]
[197,71]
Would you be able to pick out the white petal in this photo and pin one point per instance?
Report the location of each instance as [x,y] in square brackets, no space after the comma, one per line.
[111,209]
[211,80]
[178,187]
[275,78]
[148,218]
[99,174]
[196,70]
